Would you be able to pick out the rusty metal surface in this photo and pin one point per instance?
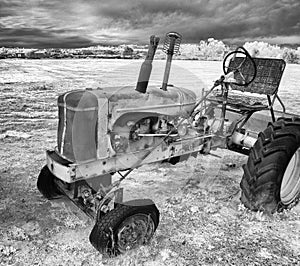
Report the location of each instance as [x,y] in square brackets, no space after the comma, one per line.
[268,76]
[104,107]
[93,168]
[242,101]
[174,101]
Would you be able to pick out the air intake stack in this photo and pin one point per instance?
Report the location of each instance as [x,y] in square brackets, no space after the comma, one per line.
[146,67]
[171,47]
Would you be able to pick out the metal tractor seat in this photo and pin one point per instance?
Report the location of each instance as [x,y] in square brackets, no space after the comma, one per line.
[266,82]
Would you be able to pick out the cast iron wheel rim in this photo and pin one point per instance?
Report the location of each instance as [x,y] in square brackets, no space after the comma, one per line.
[290,186]
[134,231]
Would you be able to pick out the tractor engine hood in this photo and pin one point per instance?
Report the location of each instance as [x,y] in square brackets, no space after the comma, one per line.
[87,116]
[175,101]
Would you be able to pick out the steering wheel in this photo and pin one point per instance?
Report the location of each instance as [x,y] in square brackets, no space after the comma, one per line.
[241,65]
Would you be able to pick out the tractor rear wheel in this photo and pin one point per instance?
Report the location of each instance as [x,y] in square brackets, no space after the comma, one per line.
[46,184]
[127,226]
[271,180]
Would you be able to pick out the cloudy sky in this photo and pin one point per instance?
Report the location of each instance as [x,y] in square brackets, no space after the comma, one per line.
[80,23]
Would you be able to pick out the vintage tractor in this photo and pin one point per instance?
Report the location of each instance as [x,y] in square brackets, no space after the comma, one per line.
[105,131]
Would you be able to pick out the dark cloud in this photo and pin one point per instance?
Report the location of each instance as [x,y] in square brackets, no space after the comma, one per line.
[127,21]
[30,37]
[7,8]
[203,19]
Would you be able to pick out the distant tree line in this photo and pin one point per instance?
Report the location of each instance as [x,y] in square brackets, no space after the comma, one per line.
[262,49]
[208,50]
[114,52]
[215,50]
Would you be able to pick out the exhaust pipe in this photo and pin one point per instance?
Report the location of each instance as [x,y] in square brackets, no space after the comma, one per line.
[171,47]
[146,67]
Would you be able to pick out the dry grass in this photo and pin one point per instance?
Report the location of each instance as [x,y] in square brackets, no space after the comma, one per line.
[202,220]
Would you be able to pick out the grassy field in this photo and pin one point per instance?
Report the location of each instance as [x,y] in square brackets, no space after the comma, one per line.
[202,220]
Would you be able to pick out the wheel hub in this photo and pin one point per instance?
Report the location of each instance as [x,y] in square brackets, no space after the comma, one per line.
[290,186]
[134,231]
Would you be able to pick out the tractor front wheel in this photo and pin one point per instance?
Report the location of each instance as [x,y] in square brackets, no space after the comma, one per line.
[127,226]
[271,180]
